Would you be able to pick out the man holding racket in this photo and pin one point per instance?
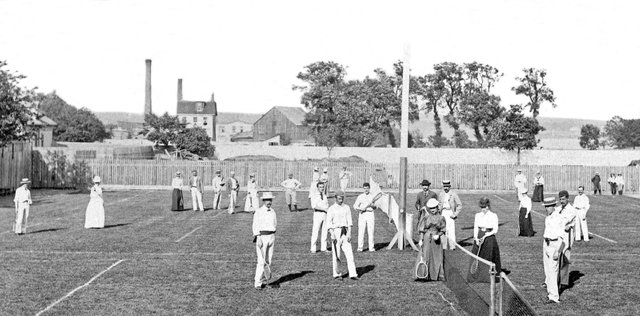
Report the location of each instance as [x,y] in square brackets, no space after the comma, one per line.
[366,220]
[264,235]
[339,221]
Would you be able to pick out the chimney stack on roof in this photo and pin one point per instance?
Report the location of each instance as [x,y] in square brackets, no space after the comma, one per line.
[179,89]
[213,97]
[147,88]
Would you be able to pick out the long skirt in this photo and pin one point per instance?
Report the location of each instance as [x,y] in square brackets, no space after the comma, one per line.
[538,194]
[526,225]
[433,255]
[488,251]
[94,216]
[177,203]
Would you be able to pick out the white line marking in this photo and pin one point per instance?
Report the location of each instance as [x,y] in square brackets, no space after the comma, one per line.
[450,304]
[189,233]
[78,288]
[501,198]
[590,233]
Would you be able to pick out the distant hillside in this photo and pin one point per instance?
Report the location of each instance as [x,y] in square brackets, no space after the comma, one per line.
[560,133]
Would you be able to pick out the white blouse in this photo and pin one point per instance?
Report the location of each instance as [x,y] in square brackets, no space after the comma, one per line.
[488,220]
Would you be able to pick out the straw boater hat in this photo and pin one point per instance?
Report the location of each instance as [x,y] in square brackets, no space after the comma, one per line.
[315,168]
[523,190]
[267,196]
[432,203]
[325,170]
[446,183]
[252,175]
[550,201]
[425,182]
[96,179]
[24,181]
[178,173]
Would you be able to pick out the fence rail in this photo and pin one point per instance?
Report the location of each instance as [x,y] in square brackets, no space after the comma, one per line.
[270,174]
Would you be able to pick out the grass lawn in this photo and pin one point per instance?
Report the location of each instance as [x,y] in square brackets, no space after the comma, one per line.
[203,263]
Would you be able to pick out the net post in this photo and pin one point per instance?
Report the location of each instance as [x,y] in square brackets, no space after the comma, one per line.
[492,280]
[500,293]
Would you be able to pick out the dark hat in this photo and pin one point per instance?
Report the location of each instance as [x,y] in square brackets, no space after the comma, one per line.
[340,193]
[366,184]
[550,201]
[425,182]
[563,193]
[446,183]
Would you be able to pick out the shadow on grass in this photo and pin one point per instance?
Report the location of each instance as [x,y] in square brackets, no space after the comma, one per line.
[381,245]
[290,277]
[574,276]
[366,269]
[116,225]
[47,230]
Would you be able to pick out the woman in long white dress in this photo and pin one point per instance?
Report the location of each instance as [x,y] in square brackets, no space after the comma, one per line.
[94,217]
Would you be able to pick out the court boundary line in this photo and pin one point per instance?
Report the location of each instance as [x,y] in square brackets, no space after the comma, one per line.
[79,288]
[450,304]
[187,235]
[590,233]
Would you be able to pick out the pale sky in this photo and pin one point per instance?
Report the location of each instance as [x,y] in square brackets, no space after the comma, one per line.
[249,52]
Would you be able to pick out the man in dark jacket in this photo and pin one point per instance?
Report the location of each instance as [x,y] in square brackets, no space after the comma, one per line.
[596,184]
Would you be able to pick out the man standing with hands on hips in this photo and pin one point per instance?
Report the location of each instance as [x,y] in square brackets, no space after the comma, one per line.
[264,234]
[367,218]
[340,222]
[319,204]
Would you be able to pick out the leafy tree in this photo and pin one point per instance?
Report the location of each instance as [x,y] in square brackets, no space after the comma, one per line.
[162,129]
[450,80]
[432,92]
[195,140]
[623,133]
[15,111]
[416,139]
[479,108]
[534,86]
[74,125]
[515,131]
[589,137]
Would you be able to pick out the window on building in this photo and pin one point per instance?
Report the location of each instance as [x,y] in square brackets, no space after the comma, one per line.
[199,106]
[195,119]
[184,120]
[241,129]
[204,120]
[221,129]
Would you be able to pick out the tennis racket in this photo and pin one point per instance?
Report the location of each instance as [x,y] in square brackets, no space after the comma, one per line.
[266,275]
[421,266]
[474,264]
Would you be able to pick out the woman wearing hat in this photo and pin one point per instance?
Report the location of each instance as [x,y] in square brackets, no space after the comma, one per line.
[538,188]
[485,246]
[94,216]
[177,203]
[22,200]
[432,228]
[524,219]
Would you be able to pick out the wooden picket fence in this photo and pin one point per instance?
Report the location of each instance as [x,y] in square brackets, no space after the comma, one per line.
[15,164]
[269,174]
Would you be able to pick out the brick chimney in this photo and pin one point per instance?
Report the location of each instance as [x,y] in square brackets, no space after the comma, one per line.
[147,88]
[179,90]
[213,99]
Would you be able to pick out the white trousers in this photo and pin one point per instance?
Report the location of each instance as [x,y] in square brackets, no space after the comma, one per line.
[264,253]
[196,199]
[581,226]
[22,215]
[551,269]
[319,225]
[233,197]
[451,229]
[343,184]
[366,220]
[345,247]
[251,203]
[217,197]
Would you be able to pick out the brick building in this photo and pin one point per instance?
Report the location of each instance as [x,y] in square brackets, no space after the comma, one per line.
[198,113]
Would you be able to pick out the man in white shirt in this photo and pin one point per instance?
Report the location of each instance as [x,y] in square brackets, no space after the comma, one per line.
[264,233]
[218,186]
[620,183]
[344,179]
[291,185]
[196,191]
[568,214]
[552,248]
[313,187]
[519,182]
[22,201]
[234,187]
[319,204]
[366,219]
[339,222]
[251,203]
[324,178]
[581,204]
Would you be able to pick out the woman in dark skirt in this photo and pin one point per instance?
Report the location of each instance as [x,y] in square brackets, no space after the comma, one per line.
[177,203]
[538,188]
[432,228]
[524,219]
[485,244]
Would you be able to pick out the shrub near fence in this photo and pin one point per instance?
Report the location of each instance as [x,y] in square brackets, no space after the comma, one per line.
[269,174]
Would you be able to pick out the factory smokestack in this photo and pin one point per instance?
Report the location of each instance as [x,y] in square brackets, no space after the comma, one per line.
[179,90]
[147,88]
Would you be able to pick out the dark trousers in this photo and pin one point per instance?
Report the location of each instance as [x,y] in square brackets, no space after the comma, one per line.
[596,188]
